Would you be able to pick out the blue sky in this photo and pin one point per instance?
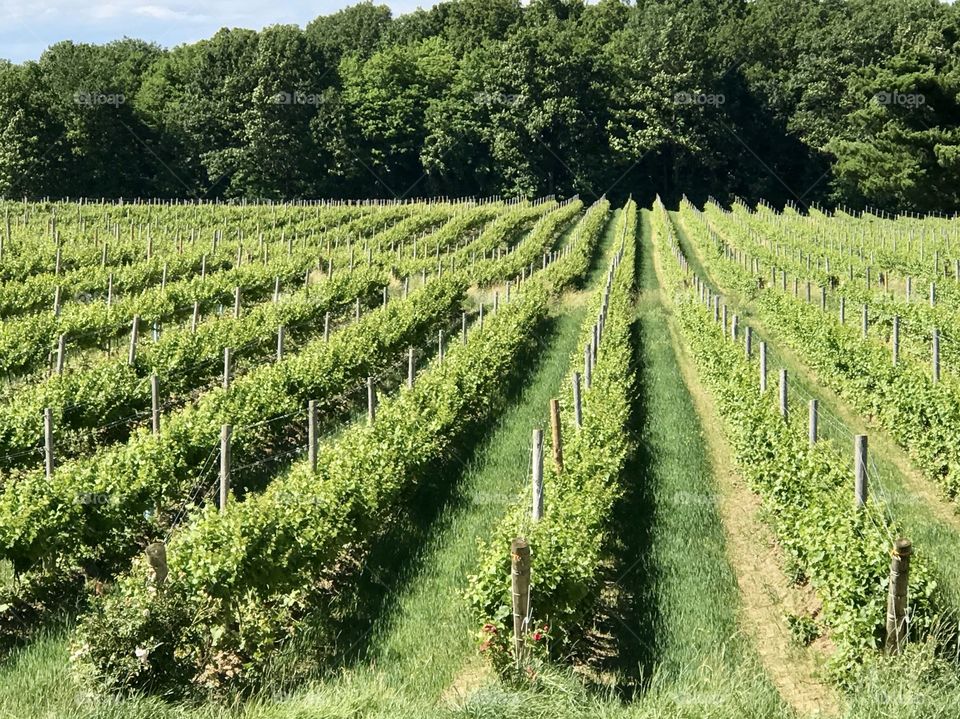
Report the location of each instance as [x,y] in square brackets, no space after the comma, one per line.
[27,27]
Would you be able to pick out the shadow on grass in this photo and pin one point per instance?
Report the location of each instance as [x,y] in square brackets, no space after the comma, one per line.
[618,652]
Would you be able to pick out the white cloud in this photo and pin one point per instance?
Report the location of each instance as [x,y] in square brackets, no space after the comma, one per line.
[28,28]
[162,12]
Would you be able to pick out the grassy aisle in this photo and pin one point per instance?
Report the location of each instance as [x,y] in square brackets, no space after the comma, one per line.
[690,604]
[668,640]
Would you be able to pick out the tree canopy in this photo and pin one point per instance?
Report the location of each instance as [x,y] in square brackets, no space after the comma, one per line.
[834,101]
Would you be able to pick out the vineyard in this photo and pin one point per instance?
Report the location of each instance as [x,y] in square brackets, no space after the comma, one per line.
[498,458]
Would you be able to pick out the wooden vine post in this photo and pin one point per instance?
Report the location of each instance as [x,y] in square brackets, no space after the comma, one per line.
[227,366]
[813,421]
[371,401]
[577,406]
[520,590]
[537,467]
[312,434]
[897,623]
[860,468]
[134,334]
[226,433]
[155,403]
[48,441]
[556,435]
[784,405]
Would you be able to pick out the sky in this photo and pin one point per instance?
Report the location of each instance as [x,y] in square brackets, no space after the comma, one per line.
[28,27]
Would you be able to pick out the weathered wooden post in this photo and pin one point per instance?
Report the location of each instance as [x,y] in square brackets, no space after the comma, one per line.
[61,352]
[843,310]
[312,434]
[860,468]
[48,441]
[155,403]
[748,341]
[763,366]
[226,432]
[587,367]
[813,421]
[537,466]
[556,434]
[227,366]
[371,401]
[326,327]
[577,407]
[156,554]
[896,340]
[897,622]
[936,355]
[784,407]
[410,367]
[134,334]
[520,591]
[281,336]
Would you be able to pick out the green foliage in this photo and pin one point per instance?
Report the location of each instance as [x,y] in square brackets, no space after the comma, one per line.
[495,96]
[805,490]
[82,402]
[919,413]
[241,581]
[567,543]
[140,487]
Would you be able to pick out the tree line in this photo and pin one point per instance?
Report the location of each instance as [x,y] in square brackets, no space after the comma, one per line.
[838,102]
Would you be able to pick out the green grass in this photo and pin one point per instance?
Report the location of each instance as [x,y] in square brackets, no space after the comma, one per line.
[685,609]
